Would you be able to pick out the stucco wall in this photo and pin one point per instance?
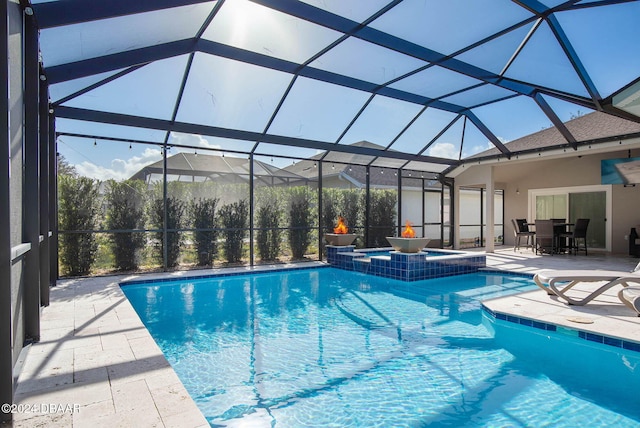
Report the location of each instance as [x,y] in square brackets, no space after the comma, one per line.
[518,177]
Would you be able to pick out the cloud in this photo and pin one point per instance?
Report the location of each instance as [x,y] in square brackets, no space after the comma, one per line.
[444,150]
[192,140]
[479,148]
[119,169]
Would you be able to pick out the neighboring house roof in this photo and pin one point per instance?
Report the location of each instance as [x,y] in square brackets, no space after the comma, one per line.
[587,128]
[215,167]
[350,167]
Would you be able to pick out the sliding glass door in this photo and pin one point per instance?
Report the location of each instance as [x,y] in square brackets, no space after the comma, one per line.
[591,205]
[592,202]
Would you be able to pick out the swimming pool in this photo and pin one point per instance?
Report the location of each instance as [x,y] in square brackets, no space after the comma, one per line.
[326,347]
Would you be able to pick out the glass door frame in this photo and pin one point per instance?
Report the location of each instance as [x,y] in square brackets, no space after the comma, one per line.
[607,188]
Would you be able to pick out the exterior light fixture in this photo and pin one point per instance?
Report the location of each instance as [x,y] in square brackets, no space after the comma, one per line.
[28,11]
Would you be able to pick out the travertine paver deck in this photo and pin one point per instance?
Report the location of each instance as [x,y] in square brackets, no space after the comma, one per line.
[97,366]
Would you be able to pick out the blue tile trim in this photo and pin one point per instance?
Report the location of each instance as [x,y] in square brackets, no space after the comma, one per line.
[217,275]
[408,266]
[585,335]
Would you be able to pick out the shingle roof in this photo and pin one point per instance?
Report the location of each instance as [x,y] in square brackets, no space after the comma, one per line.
[587,128]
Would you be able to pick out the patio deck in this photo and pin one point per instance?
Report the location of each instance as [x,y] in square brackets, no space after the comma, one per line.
[96,365]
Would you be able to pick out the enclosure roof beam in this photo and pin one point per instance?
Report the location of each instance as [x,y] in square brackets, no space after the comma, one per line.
[67,12]
[116,61]
[213,131]
[329,20]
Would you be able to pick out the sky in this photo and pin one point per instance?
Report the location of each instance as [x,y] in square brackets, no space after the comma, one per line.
[229,94]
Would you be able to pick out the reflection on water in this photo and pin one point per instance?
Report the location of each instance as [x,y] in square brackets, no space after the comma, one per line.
[329,347]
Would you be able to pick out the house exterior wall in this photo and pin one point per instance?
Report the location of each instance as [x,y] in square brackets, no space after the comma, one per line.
[518,177]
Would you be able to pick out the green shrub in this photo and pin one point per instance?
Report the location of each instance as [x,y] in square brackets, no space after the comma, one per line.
[175,213]
[233,219]
[353,212]
[125,202]
[351,208]
[382,215]
[77,209]
[299,221]
[203,216]
[331,200]
[269,234]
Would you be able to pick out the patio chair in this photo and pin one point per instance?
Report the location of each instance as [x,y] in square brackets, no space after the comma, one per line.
[545,239]
[630,296]
[520,230]
[579,233]
[559,282]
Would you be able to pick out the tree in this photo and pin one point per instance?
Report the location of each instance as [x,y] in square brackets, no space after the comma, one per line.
[65,168]
[77,208]
[125,202]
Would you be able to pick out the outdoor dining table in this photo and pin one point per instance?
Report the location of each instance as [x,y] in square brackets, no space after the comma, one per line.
[558,229]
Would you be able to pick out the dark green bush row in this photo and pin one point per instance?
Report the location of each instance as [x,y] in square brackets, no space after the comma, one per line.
[350,204]
[128,207]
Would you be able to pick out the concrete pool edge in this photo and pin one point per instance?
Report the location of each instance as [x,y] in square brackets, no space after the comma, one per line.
[221,273]
[613,341]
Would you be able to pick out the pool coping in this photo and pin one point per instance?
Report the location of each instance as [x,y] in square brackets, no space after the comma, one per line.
[536,309]
[227,272]
[581,334]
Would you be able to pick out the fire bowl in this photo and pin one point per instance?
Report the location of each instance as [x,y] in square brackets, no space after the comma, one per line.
[340,238]
[408,245]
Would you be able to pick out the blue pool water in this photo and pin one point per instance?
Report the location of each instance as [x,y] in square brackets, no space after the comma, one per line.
[326,347]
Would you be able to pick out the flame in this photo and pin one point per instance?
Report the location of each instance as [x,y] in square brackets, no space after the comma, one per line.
[341,228]
[408,231]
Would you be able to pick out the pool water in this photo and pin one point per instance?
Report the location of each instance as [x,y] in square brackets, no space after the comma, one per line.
[329,348]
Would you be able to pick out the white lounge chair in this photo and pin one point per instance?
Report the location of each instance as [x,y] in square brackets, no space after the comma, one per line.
[630,296]
[559,282]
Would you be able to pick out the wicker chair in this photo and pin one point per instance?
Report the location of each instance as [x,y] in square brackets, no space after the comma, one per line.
[579,233]
[521,230]
[545,238]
